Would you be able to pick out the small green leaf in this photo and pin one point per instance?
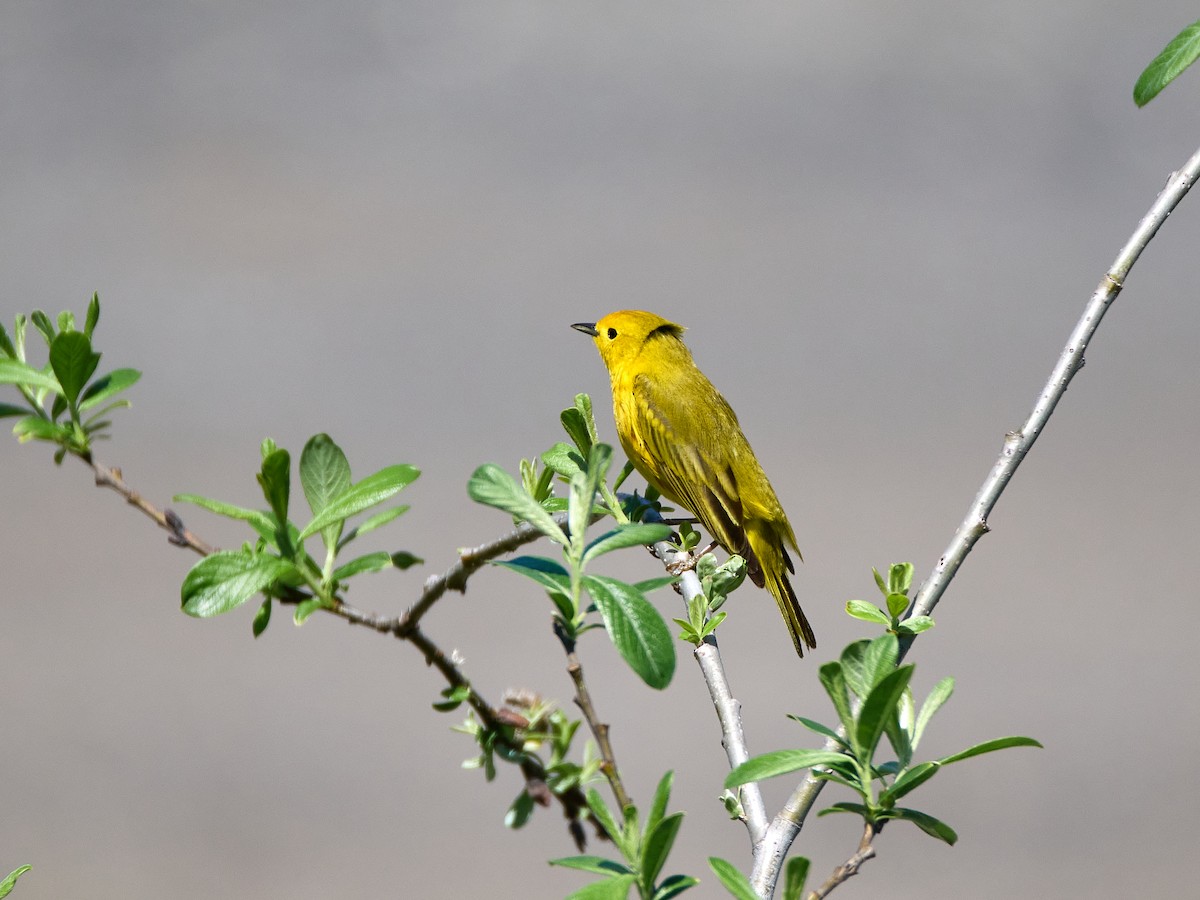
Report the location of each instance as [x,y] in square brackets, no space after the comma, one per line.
[7,347]
[305,609]
[662,795]
[372,490]
[879,658]
[613,888]
[781,762]
[42,323]
[550,575]
[7,410]
[867,612]
[259,520]
[10,880]
[371,523]
[227,579]
[276,481]
[915,625]
[823,730]
[73,362]
[324,476]
[909,781]
[1180,53]
[520,812]
[896,604]
[604,816]
[880,583]
[734,881]
[657,846]
[563,459]
[597,864]
[876,707]
[940,694]
[402,559]
[107,385]
[37,428]
[14,372]
[492,486]
[926,823]
[900,578]
[988,747]
[631,535]
[846,806]
[795,873]
[674,885]
[833,679]
[66,321]
[583,491]
[636,629]
[370,562]
[262,618]
[93,315]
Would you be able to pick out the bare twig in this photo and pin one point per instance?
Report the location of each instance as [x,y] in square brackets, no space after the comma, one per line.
[167,519]
[851,866]
[788,822]
[583,699]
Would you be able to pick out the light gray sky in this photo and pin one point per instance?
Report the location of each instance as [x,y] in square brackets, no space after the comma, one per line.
[879,222]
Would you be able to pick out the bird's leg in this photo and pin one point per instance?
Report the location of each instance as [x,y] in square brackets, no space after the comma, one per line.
[689,562]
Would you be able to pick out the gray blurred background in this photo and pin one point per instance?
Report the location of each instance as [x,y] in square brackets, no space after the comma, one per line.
[879,222]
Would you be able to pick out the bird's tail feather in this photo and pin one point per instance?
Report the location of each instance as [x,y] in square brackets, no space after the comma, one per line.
[781,589]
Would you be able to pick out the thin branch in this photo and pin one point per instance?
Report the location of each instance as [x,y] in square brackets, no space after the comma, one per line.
[167,519]
[728,709]
[583,699]
[787,823]
[851,866]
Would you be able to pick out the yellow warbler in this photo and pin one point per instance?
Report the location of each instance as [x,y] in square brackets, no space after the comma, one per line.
[683,437]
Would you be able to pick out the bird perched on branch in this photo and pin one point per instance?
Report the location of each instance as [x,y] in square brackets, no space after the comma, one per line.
[684,438]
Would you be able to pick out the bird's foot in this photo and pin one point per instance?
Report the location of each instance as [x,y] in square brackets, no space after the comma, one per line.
[688,562]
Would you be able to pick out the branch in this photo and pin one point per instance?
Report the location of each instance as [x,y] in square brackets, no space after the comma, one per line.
[729,710]
[851,866]
[787,824]
[166,519]
[583,699]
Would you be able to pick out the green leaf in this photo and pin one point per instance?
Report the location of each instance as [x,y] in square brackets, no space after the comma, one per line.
[305,609]
[93,315]
[402,559]
[324,476]
[14,372]
[896,604]
[583,490]
[262,618]
[579,424]
[42,323]
[833,679]
[734,881]
[73,362]
[925,822]
[1166,67]
[597,864]
[795,873]
[259,520]
[107,385]
[372,490]
[604,816]
[636,629]
[909,781]
[673,886]
[550,575]
[7,410]
[631,535]
[227,579]
[915,625]
[35,427]
[940,694]
[876,708]
[879,658]
[614,888]
[276,481]
[66,321]
[520,812]
[371,523]
[563,459]
[867,612]
[7,347]
[370,562]
[10,880]
[988,747]
[846,806]
[781,762]
[900,578]
[662,795]
[657,846]
[823,730]
[492,486]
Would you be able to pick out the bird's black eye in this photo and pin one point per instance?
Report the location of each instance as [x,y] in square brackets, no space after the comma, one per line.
[612,333]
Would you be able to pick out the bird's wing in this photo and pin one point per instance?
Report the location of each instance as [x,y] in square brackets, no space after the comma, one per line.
[686,462]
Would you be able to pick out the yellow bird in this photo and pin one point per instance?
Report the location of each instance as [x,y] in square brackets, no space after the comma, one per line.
[684,438]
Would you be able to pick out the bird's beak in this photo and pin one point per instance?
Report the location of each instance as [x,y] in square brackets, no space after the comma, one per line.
[587,328]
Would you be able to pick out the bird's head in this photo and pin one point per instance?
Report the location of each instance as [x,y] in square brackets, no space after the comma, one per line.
[620,336]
